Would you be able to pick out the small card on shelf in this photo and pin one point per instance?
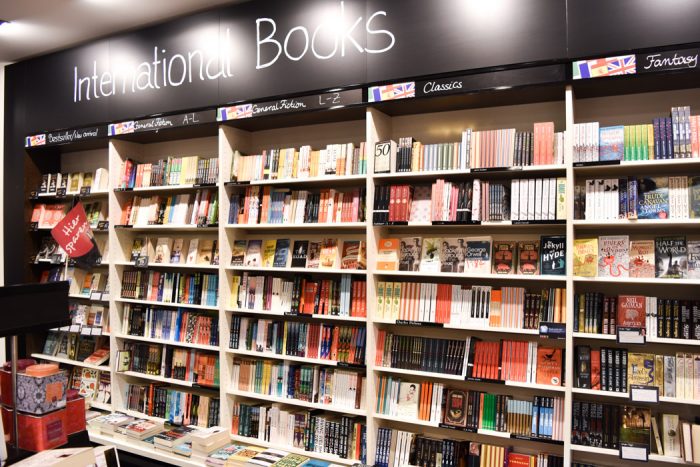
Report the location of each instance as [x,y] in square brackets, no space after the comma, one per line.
[635,452]
[626,335]
[641,393]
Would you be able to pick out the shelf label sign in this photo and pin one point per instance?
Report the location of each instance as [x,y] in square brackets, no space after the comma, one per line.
[641,393]
[174,121]
[686,59]
[635,452]
[34,141]
[122,128]
[628,335]
[391,92]
[74,235]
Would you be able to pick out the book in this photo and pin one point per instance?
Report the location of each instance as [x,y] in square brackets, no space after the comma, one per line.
[641,258]
[268,252]
[238,251]
[503,257]
[586,257]
[652,198]
[611,143]
[635,426]
[528,257]
[253,254]
[314,255]
[694,197]
[176,255]
[138,248]
[329,254]
[640,369]
[631,311]
[163,249]
[670,429]
[104,388]
[299,253]
[549,366]
[205,251]
[671,257]
[193,247]
[693,259]
[430,255]
[350,257]
[281,252]
[456,408]
[123,360]
[452,255]
[407,406]
[553,255]
[388,254]
[98,357]
[478,255]
[409,254]
[613,256]
[88,383]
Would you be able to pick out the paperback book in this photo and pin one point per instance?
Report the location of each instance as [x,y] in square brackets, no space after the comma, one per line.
[613,256]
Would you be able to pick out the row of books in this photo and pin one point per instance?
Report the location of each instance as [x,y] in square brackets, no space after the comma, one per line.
[177,326]
[669,257]
[309,430]
[302,295]
[93,385]
[477,149]
[90,315]
[474,255]
[73,182]
[236,455]
[95,212]
[396,448]
[200,208]
[638,198]
[195,288]
[674,137]
[47,215]
[615,370]
[188,170]
[84,282]
[267,205]
[49,250]
[542,417]
[180,250]
[175,406]
[292,164]
[526,199]
[310,254]
[478,306]
[75,346]
[307,383]
[189,365]
[344,344]
[53,274]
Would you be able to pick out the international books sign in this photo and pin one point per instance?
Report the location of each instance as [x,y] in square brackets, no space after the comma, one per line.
[74,235]
[608,66]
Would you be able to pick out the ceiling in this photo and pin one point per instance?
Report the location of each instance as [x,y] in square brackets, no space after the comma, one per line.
[41,26]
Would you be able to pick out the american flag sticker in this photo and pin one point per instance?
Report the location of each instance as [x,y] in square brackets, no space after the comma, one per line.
[36,140]
[610,66]
[390,92]
[122,128]
[235,112]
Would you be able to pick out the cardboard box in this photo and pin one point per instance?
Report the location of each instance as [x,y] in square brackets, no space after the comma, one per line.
[40,395]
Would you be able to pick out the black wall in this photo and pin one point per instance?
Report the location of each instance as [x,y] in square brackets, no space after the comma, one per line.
[429,37]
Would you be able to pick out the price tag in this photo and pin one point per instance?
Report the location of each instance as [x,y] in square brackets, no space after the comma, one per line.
[33,226]
[635,452]
[86,331]
[60,192]
[85,191]
[95,295]
[640,393]
[102,225]
[33,195]
[141,262]
[56,258]
[553,330]
[64,329]
[96,331]
[105,296]
[627,335]
[73,328]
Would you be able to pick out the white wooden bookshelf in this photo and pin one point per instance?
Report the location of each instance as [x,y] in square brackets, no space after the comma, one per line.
[68,361]
[297,402]
[173,343]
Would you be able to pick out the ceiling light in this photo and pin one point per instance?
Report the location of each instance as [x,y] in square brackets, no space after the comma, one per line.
[3,22]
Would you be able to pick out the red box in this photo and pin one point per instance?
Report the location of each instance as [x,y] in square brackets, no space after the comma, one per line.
[75,413]
[38,432]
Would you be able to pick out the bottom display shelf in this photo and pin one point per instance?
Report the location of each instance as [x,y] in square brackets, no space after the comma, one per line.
[134,447]
[616,453]
[314,455]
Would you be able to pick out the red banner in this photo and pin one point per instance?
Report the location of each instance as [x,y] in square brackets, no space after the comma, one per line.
[74,235]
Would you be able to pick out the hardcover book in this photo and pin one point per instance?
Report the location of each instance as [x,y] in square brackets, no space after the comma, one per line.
[281,253]
[329,253]
[652,198]
[452,255]
[553,253]
[407,406]
[549,366]
[268,255]
[138,248]
[430,256]
[253,254]
[612,143]
[314,255]
[631,311]
[528,257]
[88,383]
[641,258]
[349,258]
[409,254]
[301,248]
[671,257]
[586,257]
[238,253]
[613,256]
[636,425]
[388,254]
[478,255]
[503,257]
[456,408]
[640,369]
[693,259]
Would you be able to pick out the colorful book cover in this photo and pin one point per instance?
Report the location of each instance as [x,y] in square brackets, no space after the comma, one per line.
[613,256]
[503,257]
[409,254]
[178,248]
[636,425]
[452,255]
[329,253]
[253,254]
[694,197]
[586,257]
[301,248]
[313,257]
[652,198]
[631,311]
[88,383]
[238,253]
[430,256]
[640,369]
[388,254]
[529,257]
[407,406]
[549,366]
[553,253]
[163,249]
[349,259]
[478,255]
[268,252]
[456,408]
[641,258]
[612,143]
[671,257]
[205,251]
[281,253]
[693,259]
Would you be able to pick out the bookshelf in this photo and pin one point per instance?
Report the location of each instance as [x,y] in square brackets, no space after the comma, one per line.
[439,123]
